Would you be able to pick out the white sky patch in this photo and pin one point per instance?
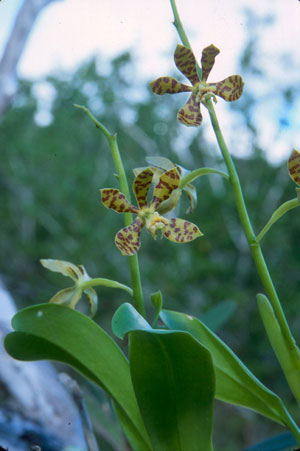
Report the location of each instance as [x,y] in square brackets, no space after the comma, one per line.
[69,32]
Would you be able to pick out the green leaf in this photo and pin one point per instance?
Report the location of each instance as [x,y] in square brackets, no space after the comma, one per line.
[157,302]
[126,319]
[235,384]
[218,315]
[281,442]
[289,357]
[53,332]
[174,382]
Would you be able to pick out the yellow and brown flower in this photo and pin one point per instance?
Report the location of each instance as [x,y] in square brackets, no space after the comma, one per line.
[294,169]
[229,89]
[174,229]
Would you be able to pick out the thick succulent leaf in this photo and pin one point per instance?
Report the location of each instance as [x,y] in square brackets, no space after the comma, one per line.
[136,441]
[128,239]
[208,60]
[67,296]
[235,383]
[93,300]
[114,199]
[229,89]
[168,182]
[294,166]
[186,63]
[66,268]
[190,114]
[126,319]
[52,332]
[181,231]
[168,85]
[141,186]
[281,442]
[217,316]
[174,383]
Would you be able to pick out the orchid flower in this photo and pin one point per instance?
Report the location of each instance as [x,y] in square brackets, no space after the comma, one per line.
[294,169]
[128,239]
[229,89]
[71,296]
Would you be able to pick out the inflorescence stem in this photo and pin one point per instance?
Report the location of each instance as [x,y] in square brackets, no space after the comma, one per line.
[133,260]
[244,217]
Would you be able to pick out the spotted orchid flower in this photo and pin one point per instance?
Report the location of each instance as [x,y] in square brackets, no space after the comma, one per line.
[128,239]
[229,89]
[294,169]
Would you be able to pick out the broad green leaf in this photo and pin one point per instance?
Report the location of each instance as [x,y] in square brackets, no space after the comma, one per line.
[52,332]
[281,442]
[174,382]
[287,355]
[126,319]
[235,384]
[218,315]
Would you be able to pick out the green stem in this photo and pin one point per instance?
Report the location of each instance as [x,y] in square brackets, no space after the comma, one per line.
[253,243]
[128,219]
[284,208]
[106,283]
[198,172]
[180,30]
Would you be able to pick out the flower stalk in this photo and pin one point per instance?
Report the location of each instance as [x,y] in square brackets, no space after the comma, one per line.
[247,226]
[133,260]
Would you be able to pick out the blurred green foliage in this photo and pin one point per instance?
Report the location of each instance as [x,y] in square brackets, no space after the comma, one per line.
[50,178]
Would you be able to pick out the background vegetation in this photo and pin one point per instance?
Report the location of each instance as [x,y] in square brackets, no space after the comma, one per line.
[50,178]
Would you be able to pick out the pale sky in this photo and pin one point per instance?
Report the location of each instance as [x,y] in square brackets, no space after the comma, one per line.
[69,32]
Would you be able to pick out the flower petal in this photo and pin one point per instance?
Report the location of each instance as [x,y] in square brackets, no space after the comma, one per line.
[93,300]
[192,195]
[67,296]
[229,89]
[114,199]
[141,186]
[190,113]
[294,166]
[186,63]
[208,60]
[168,182]
[168,85]
[128,238]
[161,162]
[65,268]
[181,231]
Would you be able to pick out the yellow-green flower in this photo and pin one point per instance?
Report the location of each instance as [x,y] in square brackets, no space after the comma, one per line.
[174,229]
[71,296]
[229,89]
